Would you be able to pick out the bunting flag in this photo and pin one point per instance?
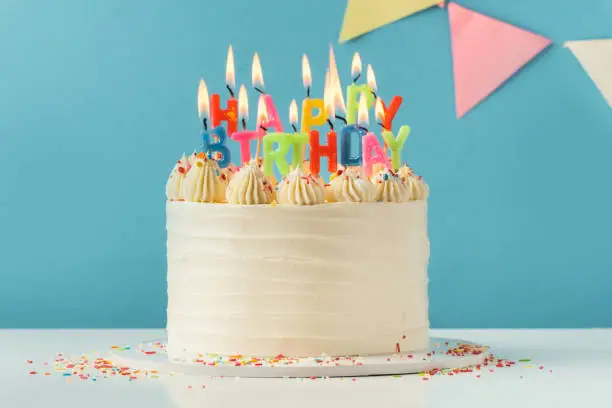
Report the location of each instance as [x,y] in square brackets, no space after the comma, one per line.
[363,16]
[595,56]
[486,52]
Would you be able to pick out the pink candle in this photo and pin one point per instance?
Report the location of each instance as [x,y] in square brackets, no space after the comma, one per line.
[373,153]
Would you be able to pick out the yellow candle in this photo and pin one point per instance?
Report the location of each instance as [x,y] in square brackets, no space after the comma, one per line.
[313,114]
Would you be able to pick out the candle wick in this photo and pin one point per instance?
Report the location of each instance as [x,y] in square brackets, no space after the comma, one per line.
[308,92]
[259,90]
[362,128]
[374,93]
[331,125]
[341,118]
[263,128]
[294,128]
[230,90]
[205,124]
[243,124]
[356,78]
[382,125]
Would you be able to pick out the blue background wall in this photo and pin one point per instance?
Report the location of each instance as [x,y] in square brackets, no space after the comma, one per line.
[98,100]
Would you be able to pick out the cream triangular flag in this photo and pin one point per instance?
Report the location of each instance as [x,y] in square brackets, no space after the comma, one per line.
[595,56]
[363,16]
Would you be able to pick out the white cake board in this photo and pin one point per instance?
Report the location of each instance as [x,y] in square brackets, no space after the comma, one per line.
[151,355]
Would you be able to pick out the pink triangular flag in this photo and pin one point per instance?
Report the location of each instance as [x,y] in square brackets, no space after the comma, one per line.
[486,52]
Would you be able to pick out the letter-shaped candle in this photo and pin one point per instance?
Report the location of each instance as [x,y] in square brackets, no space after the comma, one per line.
[390,111]
[272,120]
[278,156]
[309,118]
[347,139]
[219,146]
[317,151]
[396,144]
[244,139]
[352,100]
[229,115]
[373,153]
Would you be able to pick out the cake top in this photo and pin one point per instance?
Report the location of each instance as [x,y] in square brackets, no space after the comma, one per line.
[362,166]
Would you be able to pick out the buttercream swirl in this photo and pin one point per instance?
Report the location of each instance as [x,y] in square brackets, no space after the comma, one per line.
[350,186]
[250,186]
[202,183]
[175,181]
[418,188]
[228,173]
[298,189]
[390,188]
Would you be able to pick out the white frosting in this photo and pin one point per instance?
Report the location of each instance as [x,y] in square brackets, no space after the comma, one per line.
[250,186]
[298,189]
[202,183]
[297,280]
[349,186]
[175,181]
[419,190]
[390,188]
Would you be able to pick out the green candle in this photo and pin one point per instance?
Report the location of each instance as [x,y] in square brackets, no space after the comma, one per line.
[352,100]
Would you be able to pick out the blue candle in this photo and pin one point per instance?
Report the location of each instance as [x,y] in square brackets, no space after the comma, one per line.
[218,146]
[347,140]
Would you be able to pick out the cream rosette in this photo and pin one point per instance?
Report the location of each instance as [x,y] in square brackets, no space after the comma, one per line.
[300,189]
[176,179]
[203,182]
[419,190]
[250,186]
[350,186]
[390,188]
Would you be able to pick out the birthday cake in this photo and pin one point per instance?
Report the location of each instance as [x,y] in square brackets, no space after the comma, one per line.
[297,267]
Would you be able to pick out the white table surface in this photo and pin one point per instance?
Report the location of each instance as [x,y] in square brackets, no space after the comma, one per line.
[580,360]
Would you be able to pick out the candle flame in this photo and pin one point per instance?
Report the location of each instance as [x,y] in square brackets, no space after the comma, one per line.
[356,66]
[293,113]
[230,74]
[362,113]
[371,78]
[338,98]
[306,73]
[243,104]
[379,111]
[203,101]
[262,112]
[328,97]
[257,74]
[333,68]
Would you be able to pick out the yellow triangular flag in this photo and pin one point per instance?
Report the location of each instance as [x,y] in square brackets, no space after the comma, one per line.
[363,16]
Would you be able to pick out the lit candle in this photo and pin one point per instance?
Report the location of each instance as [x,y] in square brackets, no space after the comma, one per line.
[371,80]
[262,118]
[244,138]
[356,67]
[298,149]
[293,115]
[372,151]
[347,133]
[390,111]
[354,92]
[203,101]
[229,115]
[272,120]
[313,110]
[284,141]
[219,147]
[306,75]
[330,150]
